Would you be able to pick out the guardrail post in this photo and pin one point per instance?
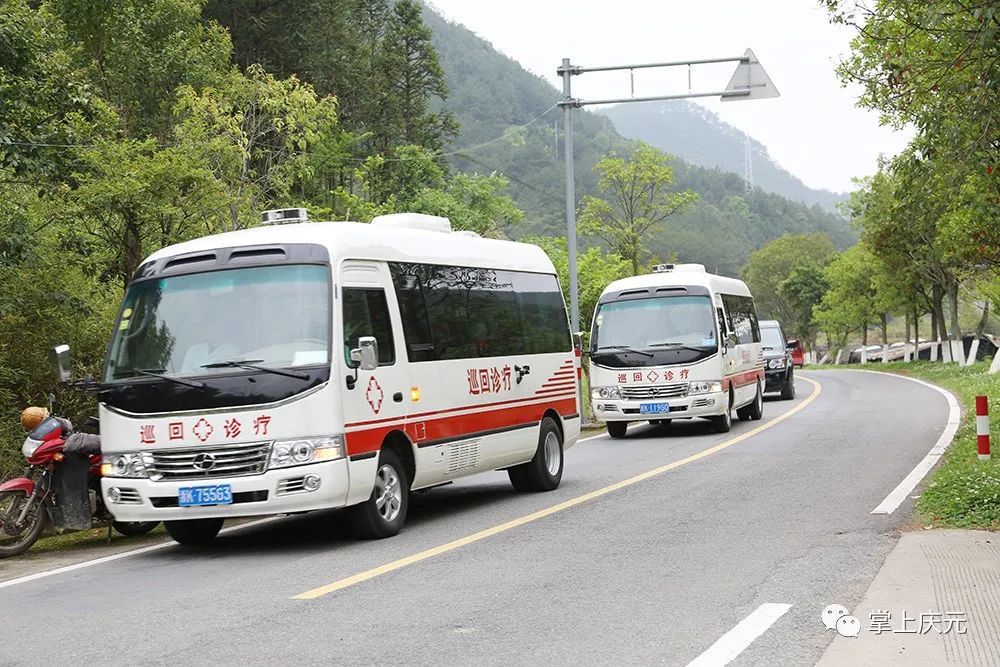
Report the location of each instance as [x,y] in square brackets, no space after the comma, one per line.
[983,427]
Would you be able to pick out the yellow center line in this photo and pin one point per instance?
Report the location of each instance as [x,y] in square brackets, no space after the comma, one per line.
[549,511]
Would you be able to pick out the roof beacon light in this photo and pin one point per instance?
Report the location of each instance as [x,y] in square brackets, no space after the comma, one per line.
[667,268]
[284,216]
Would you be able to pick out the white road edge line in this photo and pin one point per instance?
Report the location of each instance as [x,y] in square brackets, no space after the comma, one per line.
[124,554]
[734,642]
[899,494]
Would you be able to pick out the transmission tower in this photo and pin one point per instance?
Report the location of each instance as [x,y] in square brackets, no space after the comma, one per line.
[747,168]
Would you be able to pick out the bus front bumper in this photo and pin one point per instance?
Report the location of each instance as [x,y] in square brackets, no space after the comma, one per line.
[699,405]
[279,491]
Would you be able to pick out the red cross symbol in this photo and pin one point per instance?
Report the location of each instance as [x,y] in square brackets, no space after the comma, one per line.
[374,395]
[203,430]
[653,376]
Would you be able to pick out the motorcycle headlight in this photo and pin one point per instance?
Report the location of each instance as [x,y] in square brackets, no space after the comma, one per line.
[29,447]
[286,453]
[129,464]
[613,392]
[776,363]
[705,387]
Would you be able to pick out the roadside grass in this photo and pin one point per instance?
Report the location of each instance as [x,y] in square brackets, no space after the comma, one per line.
[963,491]
[95,537]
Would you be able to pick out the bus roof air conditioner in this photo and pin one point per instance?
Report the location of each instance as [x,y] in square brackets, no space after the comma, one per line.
[428,223]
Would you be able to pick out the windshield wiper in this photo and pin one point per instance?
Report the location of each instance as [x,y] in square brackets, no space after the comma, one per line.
[252,364]
[693,348]
[158,373]
[624,348]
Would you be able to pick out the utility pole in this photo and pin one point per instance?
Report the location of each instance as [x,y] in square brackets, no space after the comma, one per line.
[749,82]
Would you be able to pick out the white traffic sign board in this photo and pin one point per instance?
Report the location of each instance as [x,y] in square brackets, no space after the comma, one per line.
[749,82]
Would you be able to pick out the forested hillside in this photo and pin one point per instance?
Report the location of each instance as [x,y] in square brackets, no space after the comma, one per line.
[491,94]
[697,135]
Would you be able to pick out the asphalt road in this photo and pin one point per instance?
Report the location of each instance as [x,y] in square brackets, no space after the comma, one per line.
[652,572]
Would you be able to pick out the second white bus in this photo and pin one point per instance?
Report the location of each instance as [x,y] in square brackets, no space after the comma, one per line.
[676,344]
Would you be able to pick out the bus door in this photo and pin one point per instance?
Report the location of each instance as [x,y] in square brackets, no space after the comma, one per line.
[376,402]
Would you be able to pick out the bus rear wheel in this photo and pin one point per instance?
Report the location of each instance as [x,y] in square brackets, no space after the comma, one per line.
[617,429]
[544,471]
[384,513]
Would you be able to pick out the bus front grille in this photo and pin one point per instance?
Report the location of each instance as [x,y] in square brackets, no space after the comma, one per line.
[235,461]
[676,390]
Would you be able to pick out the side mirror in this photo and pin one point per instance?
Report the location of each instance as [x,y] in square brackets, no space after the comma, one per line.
[792,343]
[366,354]
[62,362]
[732,340]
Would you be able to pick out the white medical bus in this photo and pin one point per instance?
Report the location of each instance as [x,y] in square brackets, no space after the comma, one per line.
[676,344]
[306,366]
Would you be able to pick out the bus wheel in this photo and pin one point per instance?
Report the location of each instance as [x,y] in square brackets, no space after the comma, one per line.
[724,422]
[384,513]
[544,471]
[756,410]
[617,429]
[194,532]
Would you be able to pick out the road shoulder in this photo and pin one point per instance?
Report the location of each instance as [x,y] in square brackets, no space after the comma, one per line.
[929,576]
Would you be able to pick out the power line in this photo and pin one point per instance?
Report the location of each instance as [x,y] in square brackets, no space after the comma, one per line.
[439,154]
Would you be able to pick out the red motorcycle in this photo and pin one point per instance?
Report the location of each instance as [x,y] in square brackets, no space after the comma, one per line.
[59,491]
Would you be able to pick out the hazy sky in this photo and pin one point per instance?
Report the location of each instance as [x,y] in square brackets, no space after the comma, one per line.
[813,130]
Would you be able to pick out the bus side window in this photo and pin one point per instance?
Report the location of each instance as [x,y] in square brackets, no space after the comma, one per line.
[366,313]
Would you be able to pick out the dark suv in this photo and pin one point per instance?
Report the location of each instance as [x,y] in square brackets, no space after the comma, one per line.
[779,372]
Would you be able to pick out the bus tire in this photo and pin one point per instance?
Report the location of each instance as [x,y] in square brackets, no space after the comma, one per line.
[384,513]
[722,423]
[617,429]
[544,471]
[788,389]
[756,409]
[193,532]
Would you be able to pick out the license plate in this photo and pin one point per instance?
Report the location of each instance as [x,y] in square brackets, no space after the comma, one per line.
[653,408]
[220,494]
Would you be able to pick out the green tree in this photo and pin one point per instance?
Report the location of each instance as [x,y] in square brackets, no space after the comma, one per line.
[773,264]
[135,53]
[255,133]
[849,304]
[801,291]
[44,100]
[410,77]
[635,202]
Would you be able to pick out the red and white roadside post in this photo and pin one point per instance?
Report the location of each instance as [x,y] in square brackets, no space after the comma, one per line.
[983,427]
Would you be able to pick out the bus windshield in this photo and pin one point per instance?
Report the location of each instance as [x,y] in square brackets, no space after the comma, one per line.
[273,316]
[645,327]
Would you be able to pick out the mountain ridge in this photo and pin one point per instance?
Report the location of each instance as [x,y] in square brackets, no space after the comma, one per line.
[495,101]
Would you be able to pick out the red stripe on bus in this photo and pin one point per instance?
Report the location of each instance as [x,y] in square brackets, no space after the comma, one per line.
[454,427]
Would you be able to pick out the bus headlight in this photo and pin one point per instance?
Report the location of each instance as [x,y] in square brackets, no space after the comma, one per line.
[776,363]
[286,453]
[709,387]
[129,464]
[606,392]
